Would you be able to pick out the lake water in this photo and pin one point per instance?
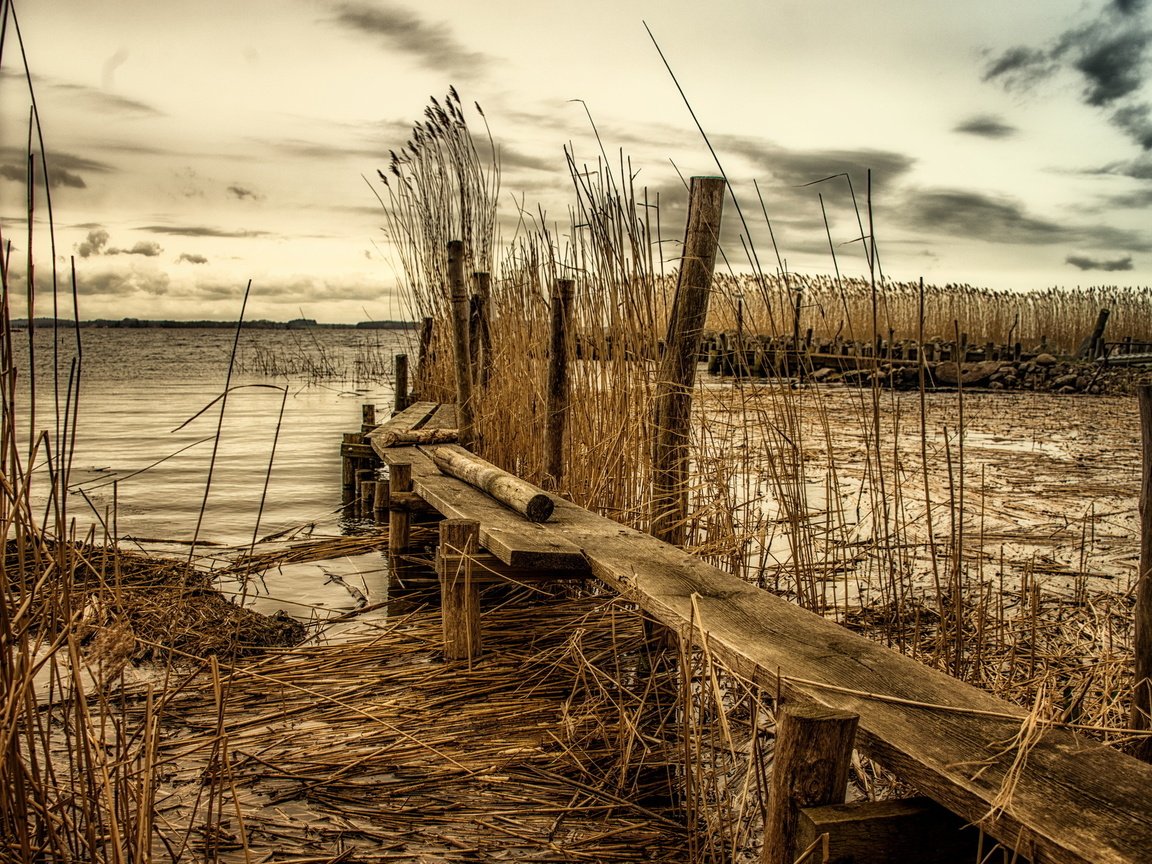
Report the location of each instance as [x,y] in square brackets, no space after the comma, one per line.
[145,444]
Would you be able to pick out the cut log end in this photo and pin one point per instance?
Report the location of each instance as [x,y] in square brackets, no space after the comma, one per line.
[539,508]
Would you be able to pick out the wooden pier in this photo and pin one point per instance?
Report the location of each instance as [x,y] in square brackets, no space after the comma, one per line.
[1045,792]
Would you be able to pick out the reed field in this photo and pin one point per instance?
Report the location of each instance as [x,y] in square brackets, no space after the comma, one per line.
[148,718]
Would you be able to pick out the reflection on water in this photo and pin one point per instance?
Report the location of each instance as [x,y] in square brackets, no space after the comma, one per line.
[146,445]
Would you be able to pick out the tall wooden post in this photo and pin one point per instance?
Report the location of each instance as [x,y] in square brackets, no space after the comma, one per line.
[423,358]
[677,375]
[400,370]
[809,768]
[557,417]
[459,592]
[461,312]
[479,335]
[1141,716]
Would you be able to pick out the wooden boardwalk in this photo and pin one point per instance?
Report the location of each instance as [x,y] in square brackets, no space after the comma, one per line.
[1046,792]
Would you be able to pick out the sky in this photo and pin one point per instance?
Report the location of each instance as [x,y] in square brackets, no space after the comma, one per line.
[192,147]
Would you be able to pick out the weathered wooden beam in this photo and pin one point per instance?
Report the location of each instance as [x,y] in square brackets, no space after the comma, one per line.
[809,768]
[350,450]
[879,832]
[529,501]
[673,402]
[459,593]
[400,378]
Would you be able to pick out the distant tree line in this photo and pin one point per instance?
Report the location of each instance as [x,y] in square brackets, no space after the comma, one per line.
[260,324]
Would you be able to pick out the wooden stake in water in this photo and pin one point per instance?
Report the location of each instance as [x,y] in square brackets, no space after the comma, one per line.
[1141,715]
[557,416]
[400,370]
[461,313]
[678,369]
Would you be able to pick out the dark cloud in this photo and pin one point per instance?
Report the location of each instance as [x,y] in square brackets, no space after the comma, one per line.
[56,177]
[145,248]
[1110,55]
[1140,199]
[200,231]
[242,192]
[985,126]
[1082,262]
[189,258]
[400,29]
[995,219]
[120,284]
[63,168]
[94,245]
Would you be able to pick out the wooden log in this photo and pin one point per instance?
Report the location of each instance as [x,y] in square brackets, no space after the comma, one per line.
[400,375]
[809,768]
[556,417]
[877,832]
[460,316]
[459,592]
[529,501]
[411,437]
[672,418]
[1141,712]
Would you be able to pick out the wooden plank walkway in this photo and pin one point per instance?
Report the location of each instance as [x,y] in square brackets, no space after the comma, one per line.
[1063,798]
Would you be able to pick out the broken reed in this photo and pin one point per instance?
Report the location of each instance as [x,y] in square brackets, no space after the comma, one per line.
[819,495]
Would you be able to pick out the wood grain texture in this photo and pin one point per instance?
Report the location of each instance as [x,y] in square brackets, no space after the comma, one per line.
[529,501]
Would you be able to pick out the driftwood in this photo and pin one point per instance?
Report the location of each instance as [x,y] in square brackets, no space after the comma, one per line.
[527,500]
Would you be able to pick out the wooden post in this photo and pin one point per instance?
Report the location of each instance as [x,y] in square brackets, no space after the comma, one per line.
[367,418]
[380,501]
[400,373]
[463,365]
[809,768]
[422,357]
[1141,714]
[479,335]
[557,417]
[348,468]
[399,521]
[678,370]
[459,592]
[365,489]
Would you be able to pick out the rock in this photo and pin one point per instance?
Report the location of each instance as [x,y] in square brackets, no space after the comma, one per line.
[1045,360]
[822,373]
[996,385]
[1066,390]
[1064,381]
[969,374]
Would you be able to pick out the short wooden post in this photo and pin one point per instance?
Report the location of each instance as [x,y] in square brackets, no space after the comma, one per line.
[460,317]
[809,768]
[400,374]
[365,489]
[348,468]
[557,416]
[381,498]
[677,375]
[367,418]
[399,521]
[1141,714]
[459,592]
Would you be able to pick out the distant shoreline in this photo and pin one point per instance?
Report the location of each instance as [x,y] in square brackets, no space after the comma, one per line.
[144,323]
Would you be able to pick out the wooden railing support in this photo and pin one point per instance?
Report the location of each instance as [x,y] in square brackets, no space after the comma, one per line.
[399,521]
[400,376]
[1141,713]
